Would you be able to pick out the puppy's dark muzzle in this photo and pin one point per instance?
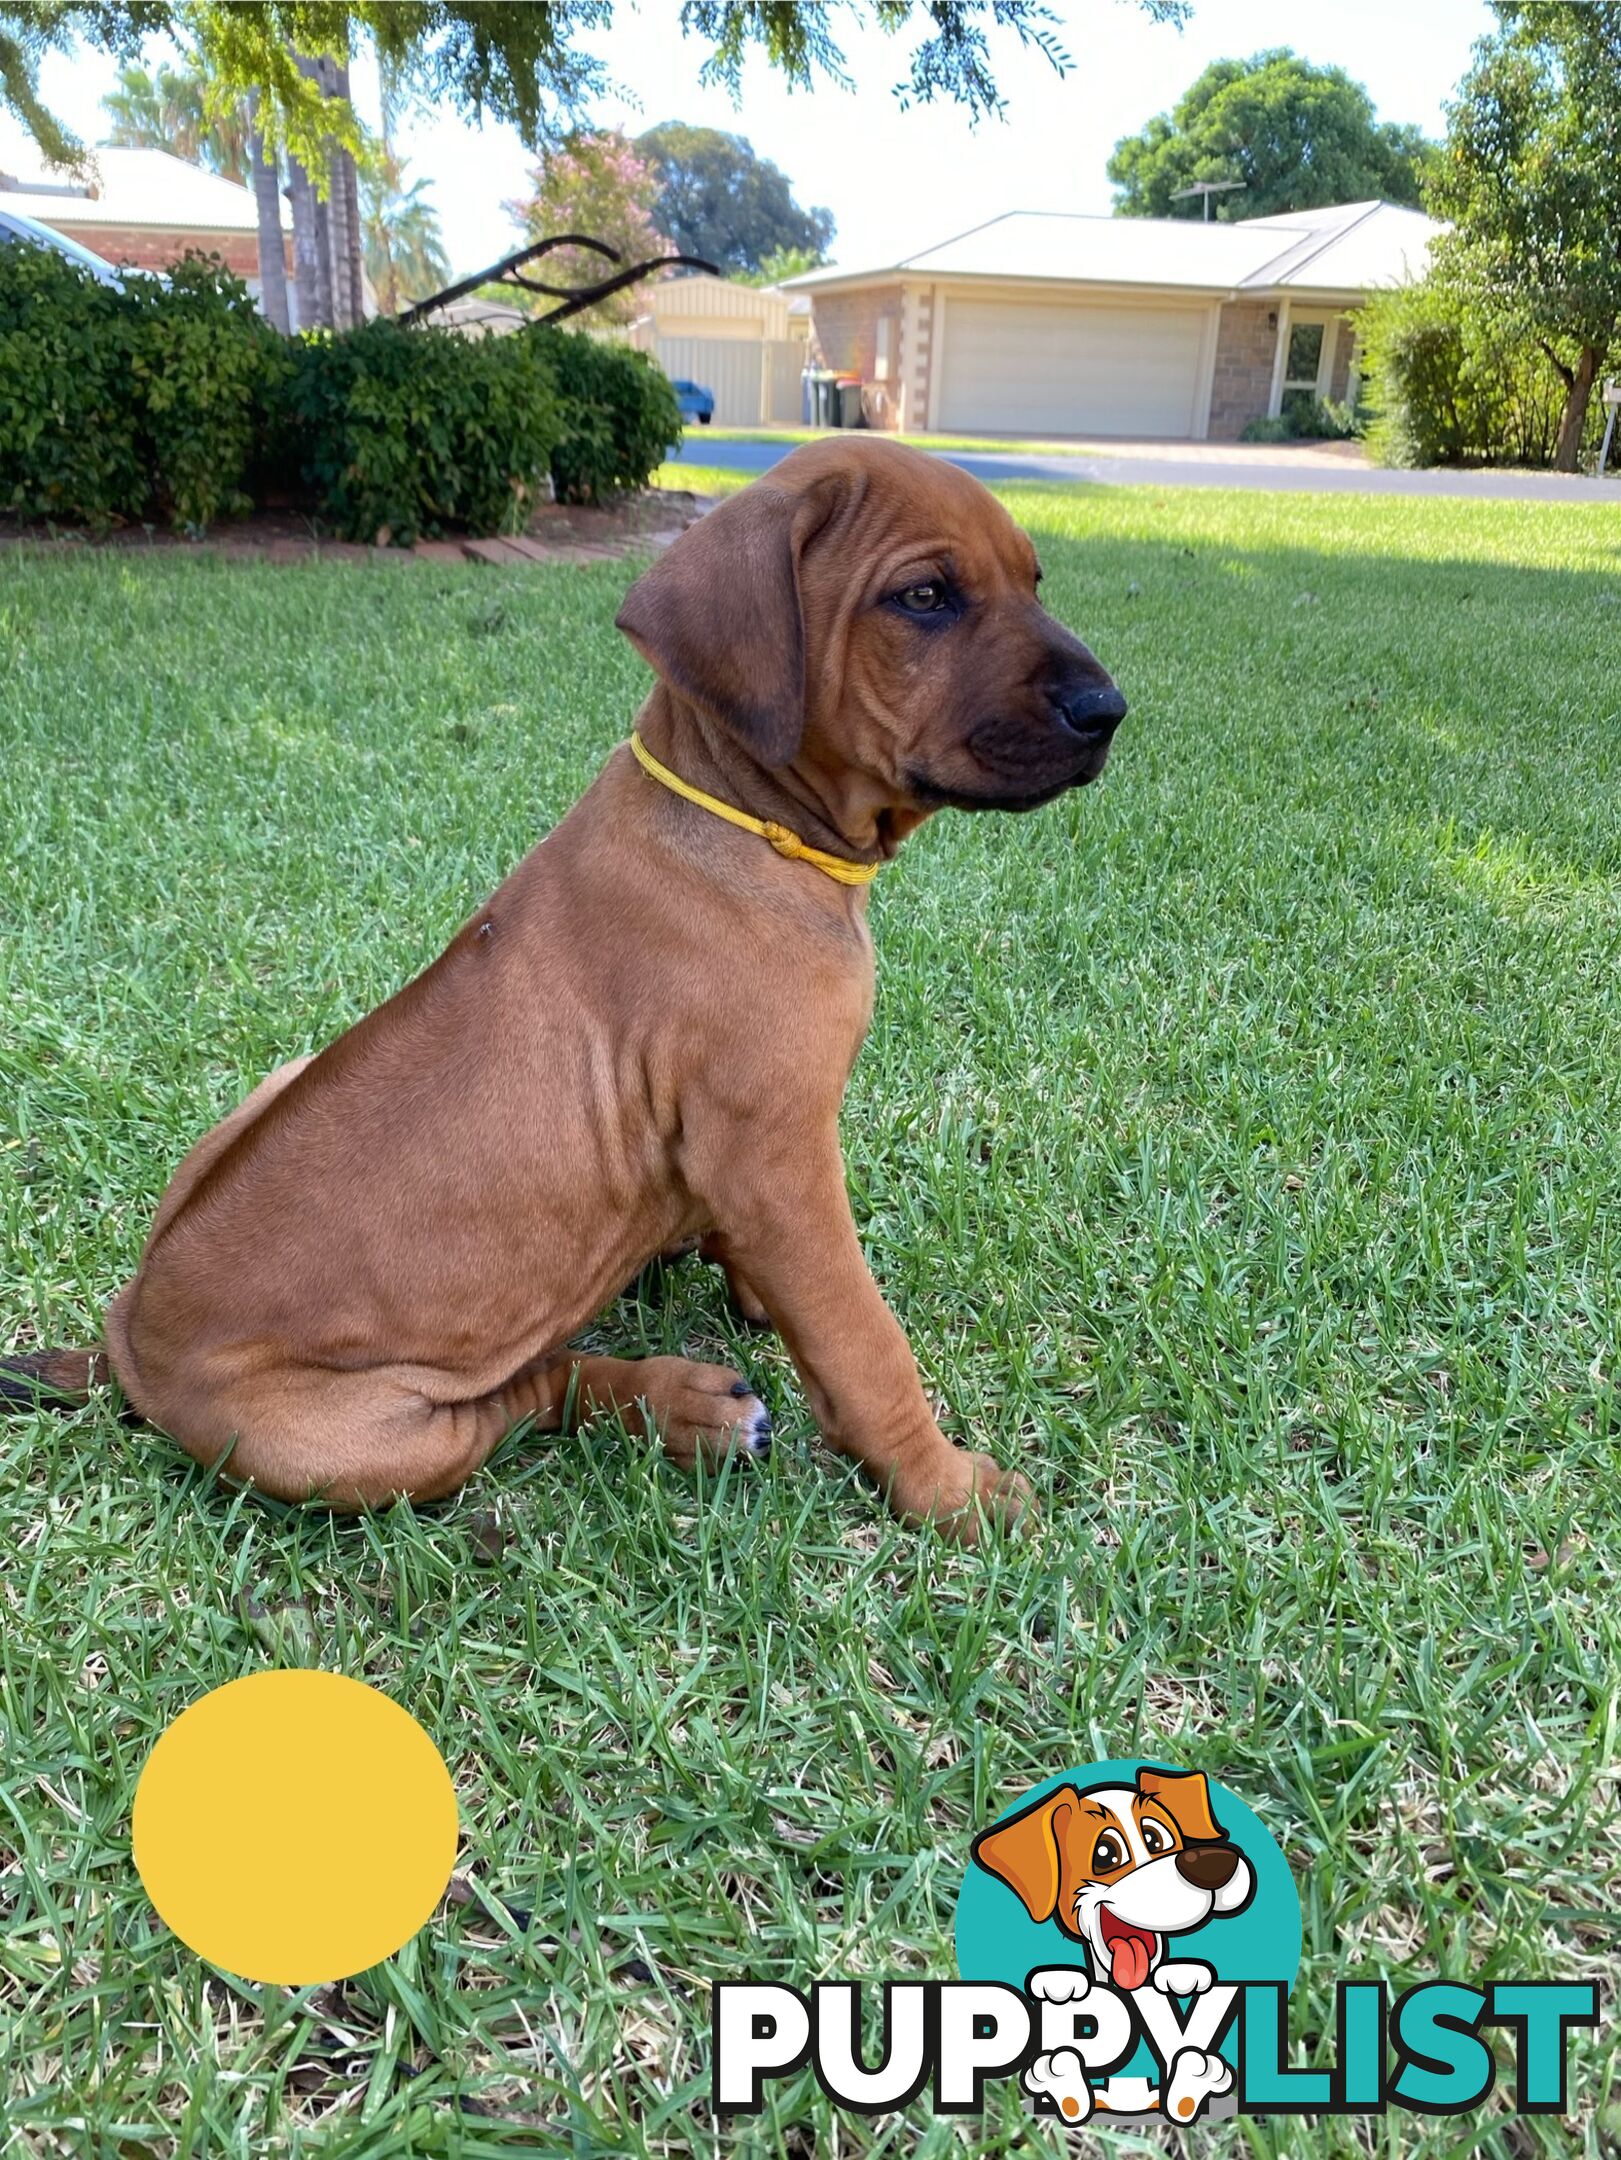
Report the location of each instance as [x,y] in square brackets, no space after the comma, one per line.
[1207,1867]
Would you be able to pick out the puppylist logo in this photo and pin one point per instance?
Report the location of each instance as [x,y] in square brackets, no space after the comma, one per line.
[1128,1935]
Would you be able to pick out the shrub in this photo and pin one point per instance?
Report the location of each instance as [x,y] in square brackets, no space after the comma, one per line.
[1303,419]
[205,372]
[122,402]
[172,397]
[410,431]
[68,439]
[620,416]
[1454,378]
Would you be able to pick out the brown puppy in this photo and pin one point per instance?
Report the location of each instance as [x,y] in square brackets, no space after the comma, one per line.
[369,1272]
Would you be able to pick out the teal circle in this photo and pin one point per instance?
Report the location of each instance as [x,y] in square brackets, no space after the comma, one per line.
[998,1940]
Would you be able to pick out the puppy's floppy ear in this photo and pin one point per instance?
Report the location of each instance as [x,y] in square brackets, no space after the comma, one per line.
[718,615]
[1023,1852]
[1185,1796]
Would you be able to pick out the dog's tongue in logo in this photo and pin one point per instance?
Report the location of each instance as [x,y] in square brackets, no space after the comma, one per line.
[1131,1951]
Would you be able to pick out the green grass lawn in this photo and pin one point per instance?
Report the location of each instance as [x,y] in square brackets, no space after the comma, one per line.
[1060,446]
[1238,1142]
[1064,447]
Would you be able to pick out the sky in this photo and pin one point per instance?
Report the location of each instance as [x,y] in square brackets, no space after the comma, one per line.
[896,180]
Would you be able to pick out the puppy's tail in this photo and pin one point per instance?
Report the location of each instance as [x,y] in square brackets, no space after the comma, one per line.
[51,1379]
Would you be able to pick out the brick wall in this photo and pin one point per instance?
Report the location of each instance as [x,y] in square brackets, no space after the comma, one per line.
[1246,342]
[917,355]
[143,248]
[846,327]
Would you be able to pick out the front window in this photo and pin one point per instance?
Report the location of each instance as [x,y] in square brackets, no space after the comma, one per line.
[1302,368]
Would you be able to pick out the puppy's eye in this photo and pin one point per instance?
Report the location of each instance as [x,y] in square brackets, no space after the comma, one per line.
[1108,1854]
[926,599]
[1156,1837]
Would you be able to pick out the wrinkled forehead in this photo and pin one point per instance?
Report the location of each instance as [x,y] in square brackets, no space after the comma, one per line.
[903,507]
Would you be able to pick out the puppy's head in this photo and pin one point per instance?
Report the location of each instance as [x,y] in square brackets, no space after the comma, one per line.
[874,612]
[1121,1867]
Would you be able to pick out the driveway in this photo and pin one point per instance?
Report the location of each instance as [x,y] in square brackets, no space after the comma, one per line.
[1313,468]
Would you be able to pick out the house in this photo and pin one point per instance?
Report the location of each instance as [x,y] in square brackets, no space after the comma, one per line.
[1041,323]
[144,209]
[746,343]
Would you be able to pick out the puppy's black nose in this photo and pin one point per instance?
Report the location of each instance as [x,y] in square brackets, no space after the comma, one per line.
[1089,712]
[1207,1867]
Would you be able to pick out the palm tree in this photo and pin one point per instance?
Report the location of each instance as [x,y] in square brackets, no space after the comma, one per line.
[170,110]
[176,110]
[405,255]
[267,204]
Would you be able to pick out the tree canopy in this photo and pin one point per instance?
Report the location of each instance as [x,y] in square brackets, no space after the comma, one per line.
[717,199]
[490,60]
[168,108]
[1530,178]
[1297,136]
[599,184]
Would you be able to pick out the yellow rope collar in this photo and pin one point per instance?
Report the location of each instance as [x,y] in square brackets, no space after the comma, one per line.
[785,842]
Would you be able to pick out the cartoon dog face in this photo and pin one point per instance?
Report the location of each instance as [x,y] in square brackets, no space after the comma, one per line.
[1121,1867]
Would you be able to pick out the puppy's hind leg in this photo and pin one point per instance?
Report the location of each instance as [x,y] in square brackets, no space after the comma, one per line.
[358,1440]
[699,1412]
[747,1302]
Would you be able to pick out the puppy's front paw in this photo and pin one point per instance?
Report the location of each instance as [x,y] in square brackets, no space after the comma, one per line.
[1061,2078]
[1060,1984]
[980,1491]
[1196,2079]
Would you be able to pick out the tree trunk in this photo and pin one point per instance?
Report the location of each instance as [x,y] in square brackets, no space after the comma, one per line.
[326,228]
[346,187]
[1573,420]
[309,250]
[331,291]
[272,259]
[314,309]
[344,217]
[326,298]
[330,218]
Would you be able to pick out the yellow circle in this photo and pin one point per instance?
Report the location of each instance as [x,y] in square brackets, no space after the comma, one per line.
[295,1827]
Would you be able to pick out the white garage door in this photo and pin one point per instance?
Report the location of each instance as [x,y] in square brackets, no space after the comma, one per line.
[1010,366]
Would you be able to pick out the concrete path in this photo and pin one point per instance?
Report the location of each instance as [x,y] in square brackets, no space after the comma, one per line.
[1324,468]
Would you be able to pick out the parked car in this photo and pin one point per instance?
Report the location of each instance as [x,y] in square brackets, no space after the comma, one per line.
[695,401]
[19,231]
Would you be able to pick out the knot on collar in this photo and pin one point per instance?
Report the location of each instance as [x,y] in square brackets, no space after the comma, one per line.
[782,837]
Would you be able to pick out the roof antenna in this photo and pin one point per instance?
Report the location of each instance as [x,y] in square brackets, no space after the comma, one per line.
[1206,188]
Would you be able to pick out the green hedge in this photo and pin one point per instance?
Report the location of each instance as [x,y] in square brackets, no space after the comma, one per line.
[403,432]
[173,399]
[620,416]
[125,404]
